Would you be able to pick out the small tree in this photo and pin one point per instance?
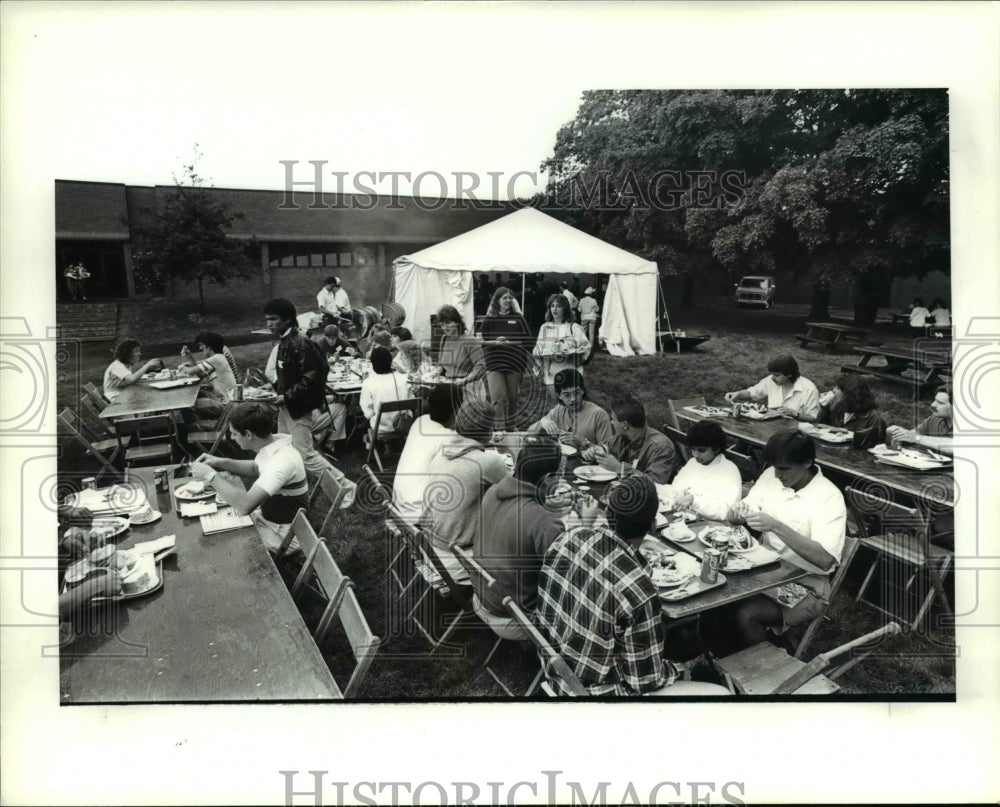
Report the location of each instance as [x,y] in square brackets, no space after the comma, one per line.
[188,237]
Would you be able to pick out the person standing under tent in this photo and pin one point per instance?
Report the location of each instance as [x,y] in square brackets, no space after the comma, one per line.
[588,314]
[573,302]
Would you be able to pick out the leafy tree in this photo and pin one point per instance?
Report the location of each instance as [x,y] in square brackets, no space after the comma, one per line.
[187,237]
[833,184]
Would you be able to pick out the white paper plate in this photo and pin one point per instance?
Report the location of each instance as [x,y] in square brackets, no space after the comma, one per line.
[155,516]
[595,473]
[732,548]
[182,493]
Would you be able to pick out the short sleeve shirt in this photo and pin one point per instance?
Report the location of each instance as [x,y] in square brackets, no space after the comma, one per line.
[817,511]
[113,378]
[802,398]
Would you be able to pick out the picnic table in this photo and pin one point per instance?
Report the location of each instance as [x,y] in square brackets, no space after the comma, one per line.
[142,399]
[738,585]
[928,364]
[832,335]
[222,628]
[846,462]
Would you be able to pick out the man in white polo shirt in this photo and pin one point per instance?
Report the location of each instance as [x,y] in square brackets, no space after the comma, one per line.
[785,390]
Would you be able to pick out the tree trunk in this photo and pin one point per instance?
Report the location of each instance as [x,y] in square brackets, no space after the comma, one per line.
[865,311]
[201,296]
[820,306]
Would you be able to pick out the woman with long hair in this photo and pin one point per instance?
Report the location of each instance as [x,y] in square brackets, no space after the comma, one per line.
[506,356]
[561,344]
[853,408]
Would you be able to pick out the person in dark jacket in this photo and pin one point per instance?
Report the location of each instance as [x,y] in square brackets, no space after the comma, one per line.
[297,368]
[505,333]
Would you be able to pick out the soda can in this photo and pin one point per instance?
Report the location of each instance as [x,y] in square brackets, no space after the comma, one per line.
[710,566]
[90,483]
[238,393]
[736,409]
[722,545]
[160,478]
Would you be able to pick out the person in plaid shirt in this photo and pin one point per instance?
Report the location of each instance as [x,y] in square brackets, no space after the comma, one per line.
[600,609]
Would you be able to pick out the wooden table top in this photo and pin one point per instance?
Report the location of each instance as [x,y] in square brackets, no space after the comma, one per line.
[937,487]
[837,326]
[222,628]
[925,356]
[142,399]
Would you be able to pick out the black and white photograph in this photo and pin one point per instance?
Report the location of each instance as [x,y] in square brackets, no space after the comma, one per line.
[364,391]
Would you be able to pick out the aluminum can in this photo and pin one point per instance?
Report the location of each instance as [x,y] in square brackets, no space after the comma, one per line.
[238,393]
[710,565]
[90,483]
[722,545]
[736,409]
[160,478]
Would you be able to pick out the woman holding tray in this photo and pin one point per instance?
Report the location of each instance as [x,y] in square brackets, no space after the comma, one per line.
[801,515]
[562,344]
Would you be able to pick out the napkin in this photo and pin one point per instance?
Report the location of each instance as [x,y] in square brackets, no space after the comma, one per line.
[196,509]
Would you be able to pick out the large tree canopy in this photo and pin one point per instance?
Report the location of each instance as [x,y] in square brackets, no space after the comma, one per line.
[188,238]
[813,184]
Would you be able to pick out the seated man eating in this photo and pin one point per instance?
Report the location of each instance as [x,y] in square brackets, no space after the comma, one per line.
[635,445]
[280,488]
[584,421]
[934,431]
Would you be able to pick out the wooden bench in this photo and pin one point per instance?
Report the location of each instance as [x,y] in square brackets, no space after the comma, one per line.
[831,335]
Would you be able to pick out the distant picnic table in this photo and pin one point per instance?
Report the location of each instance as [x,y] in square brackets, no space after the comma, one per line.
[928,364]
[832,335]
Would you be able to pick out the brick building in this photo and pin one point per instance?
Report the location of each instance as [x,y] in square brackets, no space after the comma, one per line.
[299,239]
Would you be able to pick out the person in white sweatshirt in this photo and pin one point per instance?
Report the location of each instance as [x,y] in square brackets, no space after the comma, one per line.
[709,484]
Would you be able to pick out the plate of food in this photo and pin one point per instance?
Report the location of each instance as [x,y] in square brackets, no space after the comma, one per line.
[158,376]
[594,473]
[105,528]
[828,434]
[708,411]
[258,394]
[912,458]
[193,491]
[678,531]
[740,539]
[758,411]
[672,571]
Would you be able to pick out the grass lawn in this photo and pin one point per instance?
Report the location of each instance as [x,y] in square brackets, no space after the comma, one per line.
[735,357]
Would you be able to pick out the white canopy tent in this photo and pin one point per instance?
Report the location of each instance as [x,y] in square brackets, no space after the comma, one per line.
[524,242]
